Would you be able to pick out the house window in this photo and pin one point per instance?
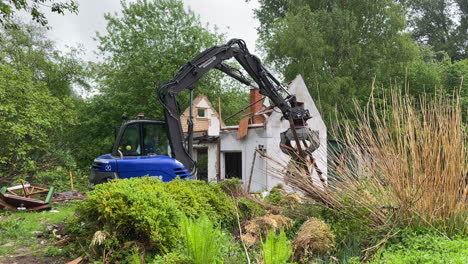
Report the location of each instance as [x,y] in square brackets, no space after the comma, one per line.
[233,165]
[201,112]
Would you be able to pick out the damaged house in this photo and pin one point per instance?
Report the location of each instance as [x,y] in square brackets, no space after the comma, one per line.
[224,152]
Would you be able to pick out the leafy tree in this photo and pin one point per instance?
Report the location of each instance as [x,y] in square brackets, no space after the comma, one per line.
[38,101]
[442,24]
[337,46]
[26,46]
[32,124]
[35,9]
[143,48]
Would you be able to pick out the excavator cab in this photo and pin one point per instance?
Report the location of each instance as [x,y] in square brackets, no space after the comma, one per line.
[141,148]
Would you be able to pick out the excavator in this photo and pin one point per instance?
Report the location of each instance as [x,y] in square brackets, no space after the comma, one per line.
[146,147]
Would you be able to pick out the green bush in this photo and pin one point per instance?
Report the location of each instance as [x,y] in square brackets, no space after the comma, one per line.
[426,248]
[197,198]
[59,177]
[149,211]
[249,209]
[232,187]
[136,209]
[275,196]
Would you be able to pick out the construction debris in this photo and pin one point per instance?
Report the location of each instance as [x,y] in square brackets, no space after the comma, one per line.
[68,195]
[12,199]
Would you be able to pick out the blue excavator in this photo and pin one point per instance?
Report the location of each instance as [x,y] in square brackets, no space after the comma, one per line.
[155,148]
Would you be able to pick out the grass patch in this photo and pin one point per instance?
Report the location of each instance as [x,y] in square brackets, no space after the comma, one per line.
[18,229]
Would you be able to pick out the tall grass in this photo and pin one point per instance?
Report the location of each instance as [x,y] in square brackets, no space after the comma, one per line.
[405,163]
[202,240]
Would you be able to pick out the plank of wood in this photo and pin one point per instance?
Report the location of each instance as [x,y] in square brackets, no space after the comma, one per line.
[243,128]
[75,261]
[251,171]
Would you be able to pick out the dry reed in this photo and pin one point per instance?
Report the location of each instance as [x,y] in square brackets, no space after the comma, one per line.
[404,161]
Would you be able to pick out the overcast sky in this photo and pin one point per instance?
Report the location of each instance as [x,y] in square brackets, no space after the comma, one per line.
[235,18]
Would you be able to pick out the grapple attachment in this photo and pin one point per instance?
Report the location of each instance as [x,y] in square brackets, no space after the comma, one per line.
[308,138]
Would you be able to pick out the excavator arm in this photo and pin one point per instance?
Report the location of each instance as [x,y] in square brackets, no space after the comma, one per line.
[214,57]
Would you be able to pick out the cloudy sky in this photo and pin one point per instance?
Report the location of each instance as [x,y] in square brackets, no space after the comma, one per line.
[235,18]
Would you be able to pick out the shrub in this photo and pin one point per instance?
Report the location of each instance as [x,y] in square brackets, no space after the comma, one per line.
[427,248]
[249,209]
[136,209]
[59,177]
[149,211]
[278,196]
[276,248]
[197,198]
[314,238]
[232,187]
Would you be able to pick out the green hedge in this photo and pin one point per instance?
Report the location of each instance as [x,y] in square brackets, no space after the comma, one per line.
[149,211]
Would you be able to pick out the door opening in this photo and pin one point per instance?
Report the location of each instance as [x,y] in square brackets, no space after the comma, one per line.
[202,162]
[233,165]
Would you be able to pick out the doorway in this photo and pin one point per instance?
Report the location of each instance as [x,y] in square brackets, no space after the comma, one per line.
[202,162]
[233,165]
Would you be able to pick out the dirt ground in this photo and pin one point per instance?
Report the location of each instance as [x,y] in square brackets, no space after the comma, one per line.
[31,259]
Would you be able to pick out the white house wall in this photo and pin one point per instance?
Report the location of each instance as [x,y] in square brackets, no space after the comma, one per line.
[275,126]
[247,146]
[266,173]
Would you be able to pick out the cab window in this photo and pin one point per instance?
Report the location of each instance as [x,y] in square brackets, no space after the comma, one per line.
[130,142]
[155,139]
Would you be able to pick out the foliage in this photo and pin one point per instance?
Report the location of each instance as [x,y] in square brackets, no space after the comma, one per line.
[276,248]
[172,258]
[38,111]
[249,209]
[27,47]
[9,7]
[203,241]
[275,196]
[143,47]
[441,24]
[426,248]
[197,198]
[59,177]
[232,187]
[337,46]
[149,211]
[348,45]
[31,131]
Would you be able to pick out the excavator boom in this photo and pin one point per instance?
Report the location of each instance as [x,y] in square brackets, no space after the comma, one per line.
[214,57]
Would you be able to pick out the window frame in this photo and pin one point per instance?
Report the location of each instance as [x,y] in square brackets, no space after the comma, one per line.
[115,152]
[205,112]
